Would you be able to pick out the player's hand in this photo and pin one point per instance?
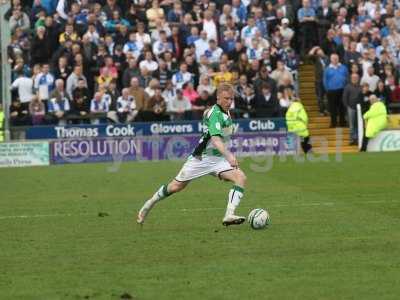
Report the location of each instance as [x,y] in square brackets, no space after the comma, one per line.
[232,160]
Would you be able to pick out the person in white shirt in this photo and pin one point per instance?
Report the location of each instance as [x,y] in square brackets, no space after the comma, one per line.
[141,35]
[98,105]
[132,46]
[126,107]
[254,52]
[179,107]
[281,72]
[24,85]
[286,32]
[169,92]
[148,62]
[209,26]
[181,77]
[44,83]
[371,78]
[162,45]
[249,31]
[201,45]
[214,52]
[58,105]
[73,79]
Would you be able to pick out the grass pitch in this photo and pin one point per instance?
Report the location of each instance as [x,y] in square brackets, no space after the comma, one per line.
[69,232]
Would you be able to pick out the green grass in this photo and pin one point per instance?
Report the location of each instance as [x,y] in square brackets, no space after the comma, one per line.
[335,233]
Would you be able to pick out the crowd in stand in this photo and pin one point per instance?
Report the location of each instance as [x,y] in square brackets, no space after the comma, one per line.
[91,61]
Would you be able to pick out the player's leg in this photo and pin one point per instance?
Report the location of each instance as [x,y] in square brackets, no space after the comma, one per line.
[163,192]
[238,178]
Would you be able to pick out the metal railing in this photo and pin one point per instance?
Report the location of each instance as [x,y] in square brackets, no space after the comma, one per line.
[5,75]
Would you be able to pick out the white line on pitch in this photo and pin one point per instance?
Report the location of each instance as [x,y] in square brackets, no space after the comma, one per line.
[294,205]
[41,216]
[204,209]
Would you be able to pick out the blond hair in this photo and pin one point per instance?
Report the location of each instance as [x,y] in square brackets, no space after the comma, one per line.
[224,87]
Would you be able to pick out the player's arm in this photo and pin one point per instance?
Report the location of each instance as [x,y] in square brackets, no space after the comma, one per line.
[216,140]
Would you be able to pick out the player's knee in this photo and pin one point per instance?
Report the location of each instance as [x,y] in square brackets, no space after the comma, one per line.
[176,186]
[240,178]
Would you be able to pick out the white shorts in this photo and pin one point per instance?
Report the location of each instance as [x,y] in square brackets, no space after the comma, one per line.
[195,167]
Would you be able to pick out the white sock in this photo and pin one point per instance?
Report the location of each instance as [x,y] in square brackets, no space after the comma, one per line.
[234,197]
[161,194]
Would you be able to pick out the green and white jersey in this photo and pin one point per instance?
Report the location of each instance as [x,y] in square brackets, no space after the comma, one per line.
[216,122]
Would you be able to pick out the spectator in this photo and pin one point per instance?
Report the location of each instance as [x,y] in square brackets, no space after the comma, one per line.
[351,97]
[114,24]
[244,94]
[126,107]
[286,97]
[131,71]
[59,104]
[286,32]
[335,79]
[320,64]
[19,19]
[213,53]
[201,45]
[163,74]
[383,93]
[280,73]
[141,98]
[205,85]
[68,35]
[152,87]
[37,111]
[154,13]
[364,98]
[73,79]
[44,84]
[325,18]
[181,77]
[223,76]
[370,78]
[189,92]
[148,63]
[18,115]
[99,106]
[249,31]
[169,93]
[40,47]
[351,55]
[265,103]
[162,44]
[179,107]
[80,100]
[209,26]
[24,85]
[307,19]
[141,35]
[133,46]
[201,104]
[63,70]
[157,107]
[263,77]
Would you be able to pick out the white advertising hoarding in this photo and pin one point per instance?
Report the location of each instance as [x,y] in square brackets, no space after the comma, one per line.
[388,140]
[24,154]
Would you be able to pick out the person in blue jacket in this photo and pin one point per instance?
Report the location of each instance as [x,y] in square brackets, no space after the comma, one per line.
[335,79]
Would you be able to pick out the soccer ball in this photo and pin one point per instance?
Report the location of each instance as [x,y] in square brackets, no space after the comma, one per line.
[258,218]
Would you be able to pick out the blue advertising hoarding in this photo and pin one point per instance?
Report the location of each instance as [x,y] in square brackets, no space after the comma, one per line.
[146,129]
[165,147]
